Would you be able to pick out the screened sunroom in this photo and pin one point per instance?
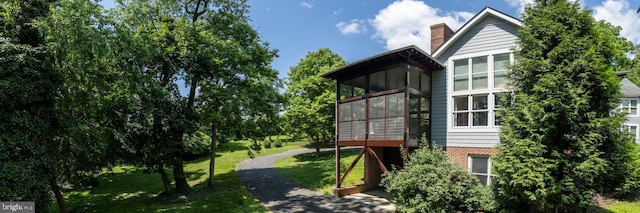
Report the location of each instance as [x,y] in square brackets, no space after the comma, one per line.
[384,100]
[383,103]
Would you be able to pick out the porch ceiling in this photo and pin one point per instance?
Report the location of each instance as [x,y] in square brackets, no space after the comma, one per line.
[410,54]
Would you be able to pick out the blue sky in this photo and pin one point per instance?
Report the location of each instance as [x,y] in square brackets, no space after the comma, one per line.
[359,29]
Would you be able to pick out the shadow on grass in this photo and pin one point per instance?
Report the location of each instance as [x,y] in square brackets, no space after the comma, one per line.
[129,189]
[228,196]
[231,146]
[313,145]
[598,209]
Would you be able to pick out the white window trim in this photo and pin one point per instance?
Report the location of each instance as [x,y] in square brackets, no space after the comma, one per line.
[626,125]
[637,106]
[490,164]
[491,127]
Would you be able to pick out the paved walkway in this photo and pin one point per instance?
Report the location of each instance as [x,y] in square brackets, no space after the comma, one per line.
[280,194]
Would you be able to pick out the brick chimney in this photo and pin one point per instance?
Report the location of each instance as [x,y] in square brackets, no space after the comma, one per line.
[440,33]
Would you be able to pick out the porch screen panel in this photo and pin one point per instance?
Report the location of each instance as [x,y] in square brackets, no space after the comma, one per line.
[358,109]
[377,117]
[394,121]
[351,125]
[344,122]
[414,117]
[425,117]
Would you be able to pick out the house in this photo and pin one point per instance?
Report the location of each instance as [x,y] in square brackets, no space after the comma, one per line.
[464,94]
[391,99]
[629,103]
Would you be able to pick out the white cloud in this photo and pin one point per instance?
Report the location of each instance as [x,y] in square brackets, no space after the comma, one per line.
[355,26]
[619,13]
[307,5]
[520,4]
[408,22]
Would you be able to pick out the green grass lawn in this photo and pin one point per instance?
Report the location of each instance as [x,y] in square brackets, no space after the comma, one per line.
[318,174]
[129,189]
[624,207]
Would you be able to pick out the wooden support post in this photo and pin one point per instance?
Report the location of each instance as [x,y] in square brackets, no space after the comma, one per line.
[405,151]
[375,157]
[352,165]
[338,182]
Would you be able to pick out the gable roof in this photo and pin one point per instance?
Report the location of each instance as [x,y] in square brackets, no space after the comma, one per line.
[471,23]
[629,89]
[373,63]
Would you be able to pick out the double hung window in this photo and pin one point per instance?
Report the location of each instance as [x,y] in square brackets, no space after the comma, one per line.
[471,109]
[629,105]
[476,84]
[480,166]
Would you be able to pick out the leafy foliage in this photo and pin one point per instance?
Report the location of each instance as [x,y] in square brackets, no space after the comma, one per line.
[561,141]
[197,144]
[28,83]
[277,143]
[266,143]
[429,182]
[310,108]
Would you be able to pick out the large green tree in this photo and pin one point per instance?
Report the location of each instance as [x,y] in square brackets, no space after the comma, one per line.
[210,46]
[94,100]
[28,85]
[561,139]
[239,97]
[310,108]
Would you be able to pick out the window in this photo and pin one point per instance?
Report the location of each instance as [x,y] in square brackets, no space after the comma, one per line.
[476,83]
[629,105]
[476,105]
[461,111]
[461,75]
[480,166]
[479,71]
[500,63]
[498,102]
[480,110]
[632,129]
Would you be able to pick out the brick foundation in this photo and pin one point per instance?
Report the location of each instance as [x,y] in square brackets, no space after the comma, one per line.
[460,155]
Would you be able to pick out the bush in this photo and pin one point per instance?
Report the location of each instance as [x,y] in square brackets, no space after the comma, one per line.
[197,144]
[429,182]
[277,142]
[267,144]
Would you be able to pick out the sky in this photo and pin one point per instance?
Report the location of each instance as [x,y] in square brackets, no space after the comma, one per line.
[357,29]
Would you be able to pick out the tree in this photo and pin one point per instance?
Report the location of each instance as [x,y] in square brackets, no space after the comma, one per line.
[94,100]
[163,33]
[241,97]
[208,44]
[28,83]
[561,139]
[310,108]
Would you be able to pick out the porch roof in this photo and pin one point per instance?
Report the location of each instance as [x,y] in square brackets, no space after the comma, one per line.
[410,54]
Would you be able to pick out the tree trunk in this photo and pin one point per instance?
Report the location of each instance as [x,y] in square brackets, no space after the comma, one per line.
[165,180]
[59,198]
[317,147]
[212,164]
[182,186]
